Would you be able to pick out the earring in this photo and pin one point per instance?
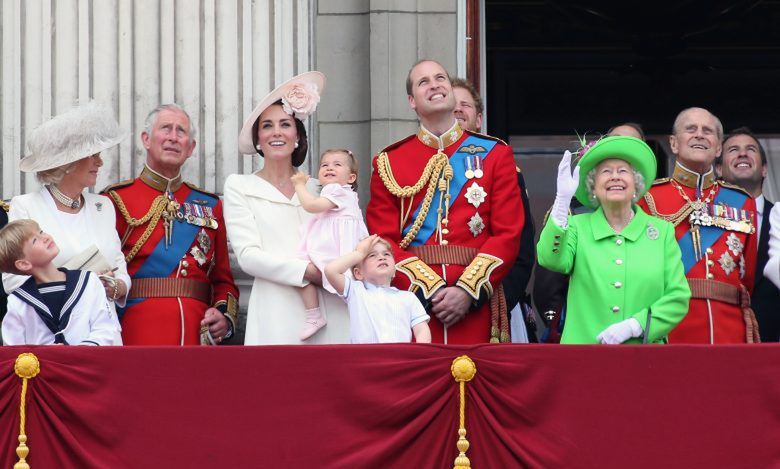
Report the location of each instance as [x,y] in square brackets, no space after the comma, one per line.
[257,147]
[296,144]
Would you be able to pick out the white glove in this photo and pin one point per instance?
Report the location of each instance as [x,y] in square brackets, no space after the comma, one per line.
[620,332]
[565,189]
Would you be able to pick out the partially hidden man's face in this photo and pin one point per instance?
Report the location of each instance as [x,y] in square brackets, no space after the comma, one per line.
[431,90]
[466,110]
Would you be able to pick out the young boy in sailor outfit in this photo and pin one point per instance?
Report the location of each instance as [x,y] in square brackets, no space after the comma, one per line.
[378,313]
[54,306]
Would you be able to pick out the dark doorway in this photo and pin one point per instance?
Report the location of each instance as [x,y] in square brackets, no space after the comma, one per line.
[554,67]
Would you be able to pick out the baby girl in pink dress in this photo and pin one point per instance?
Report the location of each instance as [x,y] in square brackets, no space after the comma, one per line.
[334,230]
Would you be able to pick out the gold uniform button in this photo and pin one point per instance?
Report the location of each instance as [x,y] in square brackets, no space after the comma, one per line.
[185,264]
[619,261]
[444,242]
[710,263]
[480,263]
[445,231]
[618,284]
[710,276]
[709,251]
[469,276]
[183,272]
[616,309]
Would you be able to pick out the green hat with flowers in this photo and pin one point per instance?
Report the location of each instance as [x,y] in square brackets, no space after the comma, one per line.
[630,149]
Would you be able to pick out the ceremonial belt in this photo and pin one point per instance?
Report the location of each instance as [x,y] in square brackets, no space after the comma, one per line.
[171,288]
[463,255]
[706,289]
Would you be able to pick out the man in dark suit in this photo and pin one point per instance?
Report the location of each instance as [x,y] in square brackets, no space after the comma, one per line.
[744,163]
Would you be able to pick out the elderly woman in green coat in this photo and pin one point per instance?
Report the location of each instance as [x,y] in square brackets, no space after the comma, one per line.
[627,278]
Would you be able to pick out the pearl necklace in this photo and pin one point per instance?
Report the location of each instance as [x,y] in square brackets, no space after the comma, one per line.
[630,217]
[64,199]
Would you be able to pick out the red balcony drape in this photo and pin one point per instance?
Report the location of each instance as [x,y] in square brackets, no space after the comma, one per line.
[395,406]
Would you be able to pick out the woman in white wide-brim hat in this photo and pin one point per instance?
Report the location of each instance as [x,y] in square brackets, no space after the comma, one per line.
[64,154]
[263,217]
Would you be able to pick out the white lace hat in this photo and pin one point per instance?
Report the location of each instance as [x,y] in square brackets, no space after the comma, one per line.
[71,136]
[300,95]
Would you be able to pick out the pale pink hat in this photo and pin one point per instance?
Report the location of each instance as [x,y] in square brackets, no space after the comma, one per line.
[299,95]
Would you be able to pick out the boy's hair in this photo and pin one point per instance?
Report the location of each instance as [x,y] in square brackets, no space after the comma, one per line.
[382,241]
[12,239]
[353,164]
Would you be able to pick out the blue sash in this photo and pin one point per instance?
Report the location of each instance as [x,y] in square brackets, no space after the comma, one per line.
[163,261]
[709,234]
[459,179]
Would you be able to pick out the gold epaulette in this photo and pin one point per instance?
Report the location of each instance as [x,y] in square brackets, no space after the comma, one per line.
[421,275]
[489,137]
[203,191]
[396,144]
[118,185]
[661,181]
[477,275]
[4,205]
[728,185]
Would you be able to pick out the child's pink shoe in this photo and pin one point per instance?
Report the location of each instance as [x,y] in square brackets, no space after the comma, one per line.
[314,321]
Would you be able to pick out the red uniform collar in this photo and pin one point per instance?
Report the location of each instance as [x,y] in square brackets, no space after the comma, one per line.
[440,142]
[159,182]
[692,179]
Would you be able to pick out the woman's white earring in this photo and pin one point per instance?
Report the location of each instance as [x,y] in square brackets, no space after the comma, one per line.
[257,147]
[296,144]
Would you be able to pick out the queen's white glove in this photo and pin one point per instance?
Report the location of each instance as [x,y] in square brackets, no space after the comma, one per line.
[620,332]
[564,191]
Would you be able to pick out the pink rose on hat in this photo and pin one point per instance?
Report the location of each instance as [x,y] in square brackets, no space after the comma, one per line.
[301,100]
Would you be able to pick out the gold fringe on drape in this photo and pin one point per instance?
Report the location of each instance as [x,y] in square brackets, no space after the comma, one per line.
[463,370]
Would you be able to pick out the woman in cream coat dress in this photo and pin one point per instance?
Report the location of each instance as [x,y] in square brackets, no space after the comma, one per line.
[263,218]
[64,153]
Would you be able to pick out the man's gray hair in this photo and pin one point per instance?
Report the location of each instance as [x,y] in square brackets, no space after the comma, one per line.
[718,125]
[590,184]
[151,118]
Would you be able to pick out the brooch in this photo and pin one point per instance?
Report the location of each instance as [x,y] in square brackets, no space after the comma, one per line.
[652,232]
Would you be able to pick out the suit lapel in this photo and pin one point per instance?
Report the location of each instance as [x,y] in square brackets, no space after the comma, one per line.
[763,243]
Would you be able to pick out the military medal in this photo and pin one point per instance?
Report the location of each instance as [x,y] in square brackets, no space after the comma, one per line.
[469,170]
[475,194]
[478,173]
[734,243]
[476,225]
[204,241]
[170,213]
[727,263]
[198,255]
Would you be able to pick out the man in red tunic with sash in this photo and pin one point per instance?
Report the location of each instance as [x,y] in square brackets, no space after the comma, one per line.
[715,227]
[448,201]
[173,237]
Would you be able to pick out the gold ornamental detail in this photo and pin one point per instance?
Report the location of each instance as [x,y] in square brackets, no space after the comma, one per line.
[463,370]
[26,367]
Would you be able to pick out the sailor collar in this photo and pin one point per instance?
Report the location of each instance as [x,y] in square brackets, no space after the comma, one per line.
[440,143]
[692,179]
[157,181]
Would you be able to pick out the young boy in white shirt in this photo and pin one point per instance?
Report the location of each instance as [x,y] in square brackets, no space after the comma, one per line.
[378,313]
[54,306]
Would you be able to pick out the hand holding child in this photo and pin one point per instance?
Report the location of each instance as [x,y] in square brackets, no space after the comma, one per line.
[299,179]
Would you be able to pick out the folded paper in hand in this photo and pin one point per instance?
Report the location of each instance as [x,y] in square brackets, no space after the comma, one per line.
[90,259]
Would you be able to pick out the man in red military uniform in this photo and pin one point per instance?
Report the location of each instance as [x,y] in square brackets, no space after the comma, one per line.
[448,201]
[173,237]
[715,228]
